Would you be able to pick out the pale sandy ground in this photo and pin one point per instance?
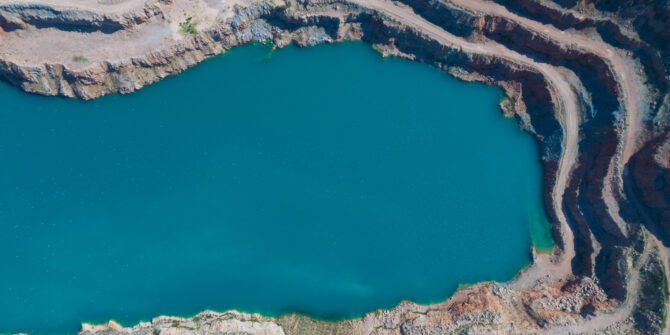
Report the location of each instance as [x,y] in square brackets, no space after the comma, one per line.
[98,6]
[27,46]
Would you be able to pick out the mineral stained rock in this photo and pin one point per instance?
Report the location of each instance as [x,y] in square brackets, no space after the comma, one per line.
[589,79]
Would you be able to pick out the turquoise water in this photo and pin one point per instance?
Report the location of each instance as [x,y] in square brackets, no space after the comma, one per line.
[326,180]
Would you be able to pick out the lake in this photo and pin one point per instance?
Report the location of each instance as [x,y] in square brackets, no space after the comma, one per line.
[327,181]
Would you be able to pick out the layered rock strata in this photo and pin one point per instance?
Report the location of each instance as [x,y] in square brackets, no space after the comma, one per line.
[588,79]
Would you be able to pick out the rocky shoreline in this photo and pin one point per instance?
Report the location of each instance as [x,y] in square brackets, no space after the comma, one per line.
[588,80]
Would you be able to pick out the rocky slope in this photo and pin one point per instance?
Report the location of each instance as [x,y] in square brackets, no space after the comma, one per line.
[588,79]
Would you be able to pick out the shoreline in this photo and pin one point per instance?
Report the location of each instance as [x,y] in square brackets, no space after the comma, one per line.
[440,297]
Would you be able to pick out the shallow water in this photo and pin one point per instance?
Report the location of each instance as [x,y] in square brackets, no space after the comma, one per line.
[325,180]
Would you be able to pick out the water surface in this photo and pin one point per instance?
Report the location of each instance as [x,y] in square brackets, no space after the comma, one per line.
[324,180]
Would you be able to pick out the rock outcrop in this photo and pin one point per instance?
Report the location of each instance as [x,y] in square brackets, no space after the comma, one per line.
[589,79]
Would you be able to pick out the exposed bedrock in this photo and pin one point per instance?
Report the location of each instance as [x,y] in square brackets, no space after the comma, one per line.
[650,171]
[588,81]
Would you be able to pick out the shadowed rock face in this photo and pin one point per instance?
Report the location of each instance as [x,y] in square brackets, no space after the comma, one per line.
[597,105]
[650,19]
[651,180]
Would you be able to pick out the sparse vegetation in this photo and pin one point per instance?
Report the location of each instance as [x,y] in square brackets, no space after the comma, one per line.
[300,39]
[507,104]
[377,48]
[650,312]
[462,286]
[188,27]
[79,59]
